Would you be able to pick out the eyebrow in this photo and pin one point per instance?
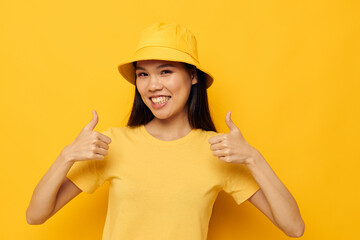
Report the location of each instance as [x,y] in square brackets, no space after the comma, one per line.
[161,66]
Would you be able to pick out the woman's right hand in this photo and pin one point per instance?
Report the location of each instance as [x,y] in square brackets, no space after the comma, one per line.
[88,145]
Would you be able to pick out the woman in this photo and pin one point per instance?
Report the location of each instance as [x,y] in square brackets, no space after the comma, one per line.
[167,166]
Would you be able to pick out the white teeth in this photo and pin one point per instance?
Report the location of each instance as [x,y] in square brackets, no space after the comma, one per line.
[159,100]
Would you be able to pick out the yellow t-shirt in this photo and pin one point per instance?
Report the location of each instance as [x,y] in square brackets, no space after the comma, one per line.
[161,189]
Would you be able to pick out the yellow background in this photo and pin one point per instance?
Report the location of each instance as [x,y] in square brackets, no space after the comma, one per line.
[288,70]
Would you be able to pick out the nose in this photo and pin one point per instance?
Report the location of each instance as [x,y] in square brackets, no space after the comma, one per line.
[155,83]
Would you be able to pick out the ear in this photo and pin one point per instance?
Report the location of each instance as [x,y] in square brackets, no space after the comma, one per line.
[194,77]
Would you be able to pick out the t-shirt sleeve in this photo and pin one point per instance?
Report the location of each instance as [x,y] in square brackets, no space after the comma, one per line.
[89,175]
[239,182]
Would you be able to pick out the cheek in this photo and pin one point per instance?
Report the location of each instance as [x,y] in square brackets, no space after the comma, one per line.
[141,91]
[140,88]
[181,87]
[183,93]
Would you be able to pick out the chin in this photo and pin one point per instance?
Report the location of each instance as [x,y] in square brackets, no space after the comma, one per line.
[161,116]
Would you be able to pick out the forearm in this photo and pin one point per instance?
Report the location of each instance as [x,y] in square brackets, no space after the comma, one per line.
[283,206]
[44,196]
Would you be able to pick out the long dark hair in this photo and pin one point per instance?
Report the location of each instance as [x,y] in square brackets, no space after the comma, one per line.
[198,107]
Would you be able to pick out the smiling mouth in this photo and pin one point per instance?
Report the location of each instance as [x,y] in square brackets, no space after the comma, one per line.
[160,100]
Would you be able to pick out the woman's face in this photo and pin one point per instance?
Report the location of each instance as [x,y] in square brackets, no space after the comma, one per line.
[164,87]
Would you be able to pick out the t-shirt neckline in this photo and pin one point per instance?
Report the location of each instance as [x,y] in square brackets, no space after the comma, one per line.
[157,141]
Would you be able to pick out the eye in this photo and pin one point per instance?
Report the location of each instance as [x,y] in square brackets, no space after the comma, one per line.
[141,74]
[166,71]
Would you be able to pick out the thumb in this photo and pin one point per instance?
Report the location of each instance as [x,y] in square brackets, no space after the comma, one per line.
[231,125]
[91,125]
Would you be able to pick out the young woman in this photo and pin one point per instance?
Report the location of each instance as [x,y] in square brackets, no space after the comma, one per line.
[168,165]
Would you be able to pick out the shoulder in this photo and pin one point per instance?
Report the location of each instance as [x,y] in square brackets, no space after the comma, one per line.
[207,134]
[120,132]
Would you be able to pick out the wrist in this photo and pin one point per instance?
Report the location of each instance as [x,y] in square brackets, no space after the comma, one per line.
[255,158]
[66,158]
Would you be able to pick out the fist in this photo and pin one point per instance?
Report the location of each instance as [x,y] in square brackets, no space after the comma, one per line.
[231,147]
[89,144]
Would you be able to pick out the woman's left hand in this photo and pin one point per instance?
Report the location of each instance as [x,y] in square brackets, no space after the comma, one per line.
[273,199]
[232,147]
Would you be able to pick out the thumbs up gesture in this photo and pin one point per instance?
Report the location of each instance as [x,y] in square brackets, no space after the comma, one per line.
[232,147]
[88,144]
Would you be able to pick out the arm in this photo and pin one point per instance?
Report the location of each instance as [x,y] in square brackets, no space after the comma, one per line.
[274,199]
[55,190]
[52,192]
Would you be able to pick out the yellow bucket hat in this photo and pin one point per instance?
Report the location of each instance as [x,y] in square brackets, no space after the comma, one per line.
[165,41]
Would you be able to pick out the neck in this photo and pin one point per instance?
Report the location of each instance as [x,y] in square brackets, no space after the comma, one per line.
[169,129]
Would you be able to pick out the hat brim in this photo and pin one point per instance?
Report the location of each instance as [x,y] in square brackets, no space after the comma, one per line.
[127,69]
